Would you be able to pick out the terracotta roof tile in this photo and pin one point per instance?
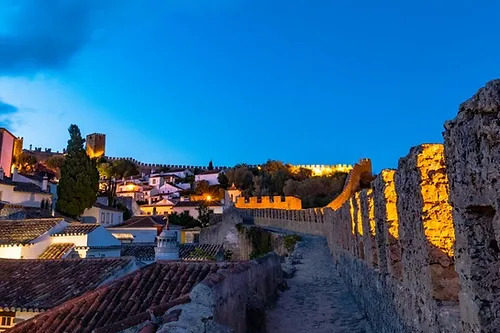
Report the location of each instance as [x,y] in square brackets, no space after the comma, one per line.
[187,252]
[78,229]
[140,222]
[13,232]
[22,186]
[106,207]
[142,251]
[43,284]
[57,251]
[125,302]
[200,252]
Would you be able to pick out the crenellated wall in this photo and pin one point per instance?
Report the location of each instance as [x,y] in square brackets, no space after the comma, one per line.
[472,147]
[393,243]
[276,201]
[420,247]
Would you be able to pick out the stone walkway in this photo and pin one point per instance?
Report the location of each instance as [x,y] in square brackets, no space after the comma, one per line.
[318,300]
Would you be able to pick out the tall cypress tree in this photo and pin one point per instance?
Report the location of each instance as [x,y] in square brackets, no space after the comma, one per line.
[79,181]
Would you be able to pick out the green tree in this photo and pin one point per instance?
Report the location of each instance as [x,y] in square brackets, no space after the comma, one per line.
[210,165]
[203,214]
[223,181]
[55,163]
[79,181]
[25,162]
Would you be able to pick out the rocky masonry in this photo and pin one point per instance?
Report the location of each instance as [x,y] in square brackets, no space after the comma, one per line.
[472,146]
[419,248]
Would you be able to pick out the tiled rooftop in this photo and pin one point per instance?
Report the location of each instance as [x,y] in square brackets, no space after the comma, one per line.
[22,187]
[125,302]
[187,252]
[42,284]
[140,222]
[200,252]
[57,251]
[196,203]
[106,207]
[75,229]
[22,232]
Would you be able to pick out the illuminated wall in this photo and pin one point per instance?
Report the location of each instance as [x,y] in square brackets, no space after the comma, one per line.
[360,172]
[96,145]
[6,150]
[323,170]
[276,202]
[393,242]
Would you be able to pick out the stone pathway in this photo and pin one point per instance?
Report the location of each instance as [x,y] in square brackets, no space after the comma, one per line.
[318,300]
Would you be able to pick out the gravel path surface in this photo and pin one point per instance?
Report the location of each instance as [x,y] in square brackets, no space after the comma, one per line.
[318,300]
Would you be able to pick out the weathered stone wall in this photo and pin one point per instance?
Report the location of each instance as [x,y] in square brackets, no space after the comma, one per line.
[420,248]
[472,147]
[392,243]
[234,297]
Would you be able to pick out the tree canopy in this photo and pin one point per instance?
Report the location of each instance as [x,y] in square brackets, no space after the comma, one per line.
[277,178]
[79,181]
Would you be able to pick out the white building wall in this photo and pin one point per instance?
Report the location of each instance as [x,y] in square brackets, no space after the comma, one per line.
[26,199]
[211,178]
[95,215]
[10,252]
[141,235]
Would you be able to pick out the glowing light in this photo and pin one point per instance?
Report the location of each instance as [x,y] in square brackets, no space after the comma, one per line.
[130,187]
[209,197]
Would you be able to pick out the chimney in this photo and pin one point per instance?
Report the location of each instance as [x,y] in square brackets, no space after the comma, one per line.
[15,174]
[167,245]
[1,173]
[45,183]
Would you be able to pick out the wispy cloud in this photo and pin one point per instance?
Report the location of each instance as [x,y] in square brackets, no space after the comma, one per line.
[6,110]
[45,34]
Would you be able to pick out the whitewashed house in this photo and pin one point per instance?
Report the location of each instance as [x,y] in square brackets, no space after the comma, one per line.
[143,229]
[192,207]
[102,214]
[210,176]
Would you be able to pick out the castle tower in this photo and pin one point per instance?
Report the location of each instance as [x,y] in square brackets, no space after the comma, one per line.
[96,145]
[167,245]
[231,195]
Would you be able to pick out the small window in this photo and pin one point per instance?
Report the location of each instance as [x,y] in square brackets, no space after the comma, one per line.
[102,217]
[6,322]
[107,217]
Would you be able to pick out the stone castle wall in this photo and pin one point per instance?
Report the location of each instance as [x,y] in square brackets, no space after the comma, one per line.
[420,247]
[278,202]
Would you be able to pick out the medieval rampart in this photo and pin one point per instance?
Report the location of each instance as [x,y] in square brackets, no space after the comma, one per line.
[276,201]
[420,247]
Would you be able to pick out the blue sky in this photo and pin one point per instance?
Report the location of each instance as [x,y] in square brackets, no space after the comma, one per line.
[184,81]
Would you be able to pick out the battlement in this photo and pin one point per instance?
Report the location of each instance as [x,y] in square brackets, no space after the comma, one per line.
[323,169]
[160,165]
[276,202]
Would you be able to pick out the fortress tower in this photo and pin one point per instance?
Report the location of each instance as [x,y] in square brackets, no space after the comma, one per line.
[96,145]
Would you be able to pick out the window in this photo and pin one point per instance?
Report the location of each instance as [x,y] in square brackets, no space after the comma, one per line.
[153,181]
[102,218]
[112,215]
[107,217]
[6,322]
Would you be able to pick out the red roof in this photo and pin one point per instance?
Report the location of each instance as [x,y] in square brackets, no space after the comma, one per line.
[33,284]
[22,232]
[56,251]
[74,229]
[125,302]
[139,222]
